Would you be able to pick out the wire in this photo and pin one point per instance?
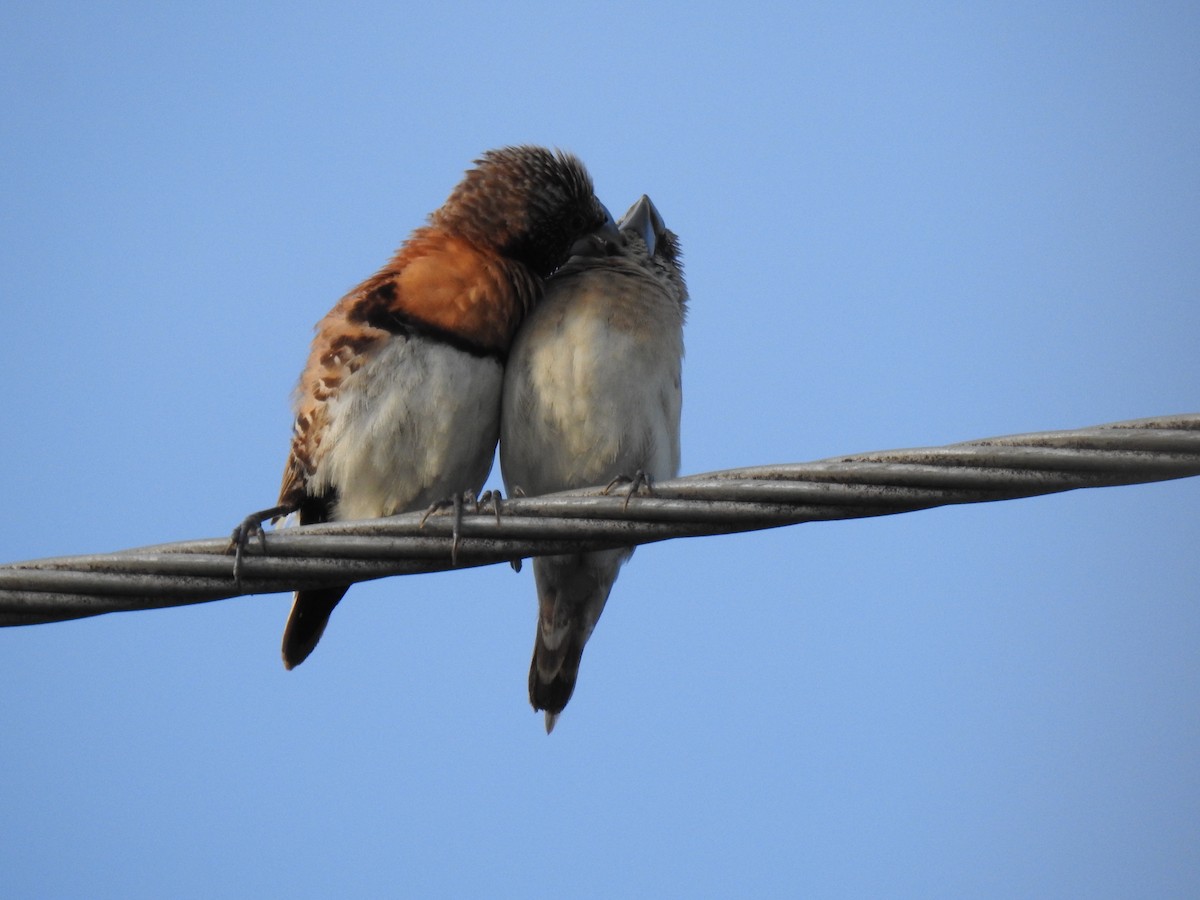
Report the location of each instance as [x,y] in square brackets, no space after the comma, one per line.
[735,500]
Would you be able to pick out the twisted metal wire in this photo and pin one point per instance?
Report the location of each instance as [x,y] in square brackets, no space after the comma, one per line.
[735,500]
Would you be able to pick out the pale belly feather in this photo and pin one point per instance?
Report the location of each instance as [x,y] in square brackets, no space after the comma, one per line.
[415,425]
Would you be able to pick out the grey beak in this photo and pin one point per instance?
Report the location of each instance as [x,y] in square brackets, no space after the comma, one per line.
[643,219]
[595,243]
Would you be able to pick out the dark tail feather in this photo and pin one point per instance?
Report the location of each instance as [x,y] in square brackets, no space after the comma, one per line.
[552,676]
[306,623]
[572,590]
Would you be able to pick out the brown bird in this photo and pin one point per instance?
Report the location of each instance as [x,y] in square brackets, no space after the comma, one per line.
[398,406]
[592,394]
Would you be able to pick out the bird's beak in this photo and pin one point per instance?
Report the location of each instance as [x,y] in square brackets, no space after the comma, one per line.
[643,219]
[597,243]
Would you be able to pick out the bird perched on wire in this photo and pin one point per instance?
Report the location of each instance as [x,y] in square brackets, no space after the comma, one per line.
[398,406]
[591,395]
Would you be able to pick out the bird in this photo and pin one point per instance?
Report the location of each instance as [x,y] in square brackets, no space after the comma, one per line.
[398,406]
[592,395]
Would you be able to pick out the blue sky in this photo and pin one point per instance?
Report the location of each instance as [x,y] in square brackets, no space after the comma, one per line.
[902,227]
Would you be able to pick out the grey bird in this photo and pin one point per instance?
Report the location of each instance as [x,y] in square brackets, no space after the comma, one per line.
[592,394]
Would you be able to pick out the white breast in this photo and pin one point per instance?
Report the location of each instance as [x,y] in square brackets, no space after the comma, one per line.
[416,424]
[585,401]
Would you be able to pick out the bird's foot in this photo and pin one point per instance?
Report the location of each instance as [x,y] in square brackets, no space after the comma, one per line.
[639,483]
[517,491]
[454,503]
[249,528]
[493,499]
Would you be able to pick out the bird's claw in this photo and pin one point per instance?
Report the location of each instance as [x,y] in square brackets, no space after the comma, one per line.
[455,503]
[640,482]
[517,491]
[492,498]
[246,530]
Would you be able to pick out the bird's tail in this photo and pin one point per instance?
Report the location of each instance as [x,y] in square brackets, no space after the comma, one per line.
[572,590]
[553,673]
[306,622]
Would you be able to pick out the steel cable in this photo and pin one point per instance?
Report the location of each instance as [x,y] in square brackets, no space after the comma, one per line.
[735,500]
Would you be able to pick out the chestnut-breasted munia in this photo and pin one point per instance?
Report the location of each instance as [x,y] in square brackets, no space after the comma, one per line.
[591,394]
[398,406]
